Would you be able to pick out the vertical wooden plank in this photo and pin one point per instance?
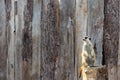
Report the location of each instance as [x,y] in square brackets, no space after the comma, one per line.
[3,41]
[36,40]
[27,41]
[11,39]
[8,8]
[19,27]
[119,46]
[95,26]
[111,38]
[49,39]
[66,70]
[80,32]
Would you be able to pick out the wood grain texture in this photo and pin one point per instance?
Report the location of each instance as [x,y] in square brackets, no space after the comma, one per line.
[18,35]
[118,66]
[111,37]
[27,40]
[50,39]
[3,41]
[66,61]
[96,73]
[42,39]
[95,27]
[11,39]
[36,40]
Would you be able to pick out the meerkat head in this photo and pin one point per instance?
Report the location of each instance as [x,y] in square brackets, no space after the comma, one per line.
[87,41]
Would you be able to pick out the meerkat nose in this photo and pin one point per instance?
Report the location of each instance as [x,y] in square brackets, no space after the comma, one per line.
[83,39]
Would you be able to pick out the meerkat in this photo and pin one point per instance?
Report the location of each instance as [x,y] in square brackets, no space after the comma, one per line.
[88,56]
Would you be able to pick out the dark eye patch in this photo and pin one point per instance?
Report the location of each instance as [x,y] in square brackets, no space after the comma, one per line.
[86,37]
[89,38]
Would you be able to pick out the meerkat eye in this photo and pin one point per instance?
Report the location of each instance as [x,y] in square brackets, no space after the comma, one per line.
[86,37]
[89,38]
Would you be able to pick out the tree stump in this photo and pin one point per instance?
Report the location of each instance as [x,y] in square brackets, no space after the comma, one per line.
[95,73]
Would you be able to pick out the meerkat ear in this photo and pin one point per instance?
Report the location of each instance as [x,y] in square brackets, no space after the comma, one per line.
[89,38]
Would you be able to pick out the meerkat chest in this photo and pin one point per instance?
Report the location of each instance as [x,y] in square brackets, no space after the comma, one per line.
[88,50]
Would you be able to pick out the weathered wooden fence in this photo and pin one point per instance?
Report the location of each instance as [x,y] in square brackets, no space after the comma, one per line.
[42,39]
